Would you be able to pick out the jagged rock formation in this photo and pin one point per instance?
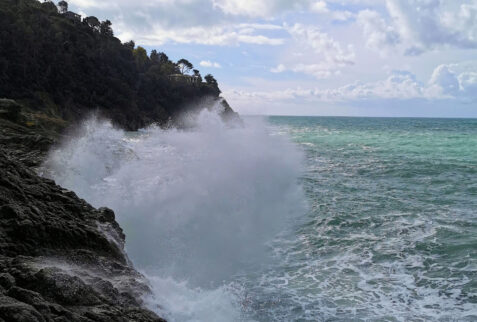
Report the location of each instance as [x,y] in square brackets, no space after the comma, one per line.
[60,258]
[24,136]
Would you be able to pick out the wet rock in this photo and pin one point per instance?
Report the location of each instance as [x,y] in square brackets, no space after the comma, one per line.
[13,310]
[60,258]
[6,280]
[30,297]
[64,289]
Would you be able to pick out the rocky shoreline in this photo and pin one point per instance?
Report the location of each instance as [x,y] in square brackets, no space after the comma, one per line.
[60,258]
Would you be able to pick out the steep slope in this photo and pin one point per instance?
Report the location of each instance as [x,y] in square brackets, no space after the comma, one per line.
[65,67]
[60,259]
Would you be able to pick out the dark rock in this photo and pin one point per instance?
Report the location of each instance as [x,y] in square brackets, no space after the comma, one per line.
[8,212]
[28,145]
[106,215]
[6,280]
[60,258]
[10,110]
[64,289]
[24,295]
[16,311]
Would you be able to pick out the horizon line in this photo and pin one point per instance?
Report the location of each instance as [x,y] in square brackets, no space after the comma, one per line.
[365,116]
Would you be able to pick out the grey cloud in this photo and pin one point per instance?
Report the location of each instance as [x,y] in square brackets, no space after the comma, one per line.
[417,26]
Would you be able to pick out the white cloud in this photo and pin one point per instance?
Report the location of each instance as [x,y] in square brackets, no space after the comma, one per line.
[146,19]
[468,82]
[379,34]
[342,15]
[415,26]
[444,81]
[320,7]
[320,70]
[141,15]
[468,85]
[279,69]
[156,22]
[213,35]
[322,44]
[260,26]
[268,8]
[262,8]
[209,64]
[399,85]
[318,55]
[455,81]
[244,7]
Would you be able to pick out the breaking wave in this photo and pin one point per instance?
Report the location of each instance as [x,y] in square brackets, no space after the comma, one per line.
[198,206]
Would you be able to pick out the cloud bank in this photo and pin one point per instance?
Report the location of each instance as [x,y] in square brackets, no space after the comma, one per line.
[446,82]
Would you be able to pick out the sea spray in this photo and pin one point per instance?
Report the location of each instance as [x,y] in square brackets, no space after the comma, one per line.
[198,206]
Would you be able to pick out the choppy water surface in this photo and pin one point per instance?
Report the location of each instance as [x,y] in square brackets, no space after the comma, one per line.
[389,232]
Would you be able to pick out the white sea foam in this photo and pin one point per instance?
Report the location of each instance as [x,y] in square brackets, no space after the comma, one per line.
[198,206]
[178,301]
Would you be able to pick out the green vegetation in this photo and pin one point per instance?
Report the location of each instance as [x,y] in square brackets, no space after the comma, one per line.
[56,63]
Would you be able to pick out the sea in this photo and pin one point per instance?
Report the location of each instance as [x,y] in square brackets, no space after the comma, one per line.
[290,218]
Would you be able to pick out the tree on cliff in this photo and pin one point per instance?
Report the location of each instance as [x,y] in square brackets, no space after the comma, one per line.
[154,56]
[140,55]
[158,58]
[63,5]
[130,45]
[212,83]
[197,74]
[93,23]
[185,66]
[163,58]
[209,79]
[65,69]
[106,28]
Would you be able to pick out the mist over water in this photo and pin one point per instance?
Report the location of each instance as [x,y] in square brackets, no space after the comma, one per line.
[358,220]
[198,206]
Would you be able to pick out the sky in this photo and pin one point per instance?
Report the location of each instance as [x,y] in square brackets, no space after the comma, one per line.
[415,58]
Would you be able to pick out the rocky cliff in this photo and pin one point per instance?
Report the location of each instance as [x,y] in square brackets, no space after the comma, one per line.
[60,258]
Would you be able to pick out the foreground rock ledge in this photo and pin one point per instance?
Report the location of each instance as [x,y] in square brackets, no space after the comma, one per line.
[60,258]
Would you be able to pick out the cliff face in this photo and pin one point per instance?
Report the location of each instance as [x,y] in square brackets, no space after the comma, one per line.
[67,68]
[60,258]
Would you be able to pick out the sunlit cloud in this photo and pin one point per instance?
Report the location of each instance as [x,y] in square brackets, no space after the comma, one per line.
[209,64]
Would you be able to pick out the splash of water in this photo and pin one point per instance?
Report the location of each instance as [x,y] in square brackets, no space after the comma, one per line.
[197,205]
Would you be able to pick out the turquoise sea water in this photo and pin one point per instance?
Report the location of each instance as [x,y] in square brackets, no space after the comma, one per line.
[391,231]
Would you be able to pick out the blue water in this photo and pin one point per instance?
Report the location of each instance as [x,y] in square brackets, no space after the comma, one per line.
[391,233]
